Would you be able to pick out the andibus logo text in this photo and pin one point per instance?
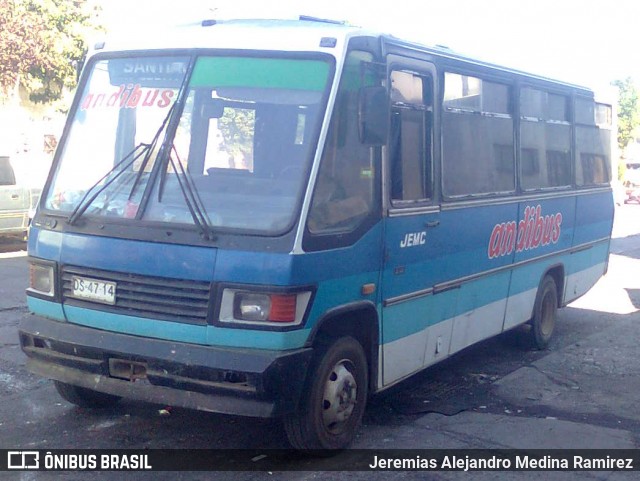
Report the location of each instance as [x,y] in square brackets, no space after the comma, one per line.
[532,231]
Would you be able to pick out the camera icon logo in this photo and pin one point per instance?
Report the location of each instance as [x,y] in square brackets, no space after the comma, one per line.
[23,460]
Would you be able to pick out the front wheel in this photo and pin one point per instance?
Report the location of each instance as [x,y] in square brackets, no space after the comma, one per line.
[545,312]
[334,400]
[83,397]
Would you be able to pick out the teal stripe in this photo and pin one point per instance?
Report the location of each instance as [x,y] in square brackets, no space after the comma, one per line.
[180,332]
[300,74]
[583,260]
[279,341]
[482,292]
[136,326]
[415,315]
[40,307]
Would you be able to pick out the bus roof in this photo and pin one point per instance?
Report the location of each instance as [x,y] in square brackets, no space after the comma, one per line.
[448,54]
[274,35]
[305,34]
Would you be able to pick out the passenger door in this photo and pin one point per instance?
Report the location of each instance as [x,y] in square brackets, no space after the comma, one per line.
[415,298]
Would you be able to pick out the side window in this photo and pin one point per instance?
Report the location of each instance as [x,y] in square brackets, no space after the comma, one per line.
[477,134]
[593,142]
[7,176]
[344,192]
[545,132]
[411,136]
[604,115]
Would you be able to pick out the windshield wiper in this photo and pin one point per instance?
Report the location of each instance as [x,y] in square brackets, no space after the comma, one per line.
[189,193]
[154,142]
[120,168]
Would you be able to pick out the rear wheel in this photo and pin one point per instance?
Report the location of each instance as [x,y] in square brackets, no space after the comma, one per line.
[545,312]
[83,397]
[334,399]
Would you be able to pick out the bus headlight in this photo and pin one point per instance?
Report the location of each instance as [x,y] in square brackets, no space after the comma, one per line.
[42,279]
[263,308]
[252,307]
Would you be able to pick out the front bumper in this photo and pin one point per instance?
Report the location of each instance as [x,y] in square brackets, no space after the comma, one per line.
[246,382]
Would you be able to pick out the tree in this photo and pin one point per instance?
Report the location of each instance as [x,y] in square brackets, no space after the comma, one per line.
[41,42]
[237,128]
[628,111]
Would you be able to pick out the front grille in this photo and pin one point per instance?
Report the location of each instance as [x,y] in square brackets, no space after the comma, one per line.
[145,296]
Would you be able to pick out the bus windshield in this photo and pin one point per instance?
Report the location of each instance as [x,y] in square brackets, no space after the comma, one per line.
[240,138]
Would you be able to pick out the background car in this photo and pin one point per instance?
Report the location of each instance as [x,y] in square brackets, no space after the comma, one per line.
[632,182]
[15,202]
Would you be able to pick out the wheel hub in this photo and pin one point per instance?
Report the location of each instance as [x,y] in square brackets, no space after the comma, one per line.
[340,395]
[546,326]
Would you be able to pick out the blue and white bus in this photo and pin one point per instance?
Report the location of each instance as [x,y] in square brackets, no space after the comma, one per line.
[281,218]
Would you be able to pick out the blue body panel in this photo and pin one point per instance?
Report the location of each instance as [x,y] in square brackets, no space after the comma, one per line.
[449,271]
[457,282]
[337,277]
[594,217]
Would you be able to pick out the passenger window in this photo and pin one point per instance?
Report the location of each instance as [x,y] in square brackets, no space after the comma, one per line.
[604,115]
[593,138]
[411,136]
[471,94]
[477,133]
[545,134]
[584,111]
[593,163]
[537,104]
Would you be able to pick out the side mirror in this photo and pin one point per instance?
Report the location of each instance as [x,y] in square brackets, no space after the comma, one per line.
[373,115]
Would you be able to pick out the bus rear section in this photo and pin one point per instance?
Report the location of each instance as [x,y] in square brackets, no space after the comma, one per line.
[284,223]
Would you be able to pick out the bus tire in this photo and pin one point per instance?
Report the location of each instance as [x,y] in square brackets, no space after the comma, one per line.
[545,311]
[83,397]
[334,399]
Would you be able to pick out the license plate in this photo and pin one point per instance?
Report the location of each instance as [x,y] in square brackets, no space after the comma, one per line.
[94,290]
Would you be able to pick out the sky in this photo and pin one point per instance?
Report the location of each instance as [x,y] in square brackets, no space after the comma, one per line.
[587,42]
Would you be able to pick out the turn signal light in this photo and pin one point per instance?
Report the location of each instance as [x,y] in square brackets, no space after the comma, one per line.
[283,308]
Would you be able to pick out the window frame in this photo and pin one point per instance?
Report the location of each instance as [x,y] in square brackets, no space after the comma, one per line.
[602,128]
[493,77]
[322,240]
[424,70]
[547,122]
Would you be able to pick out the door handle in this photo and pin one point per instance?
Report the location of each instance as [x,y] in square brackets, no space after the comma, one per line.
[433,223]
[15,196]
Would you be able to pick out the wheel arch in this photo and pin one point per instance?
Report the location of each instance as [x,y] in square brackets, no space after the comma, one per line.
[359,320]
[557,273]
